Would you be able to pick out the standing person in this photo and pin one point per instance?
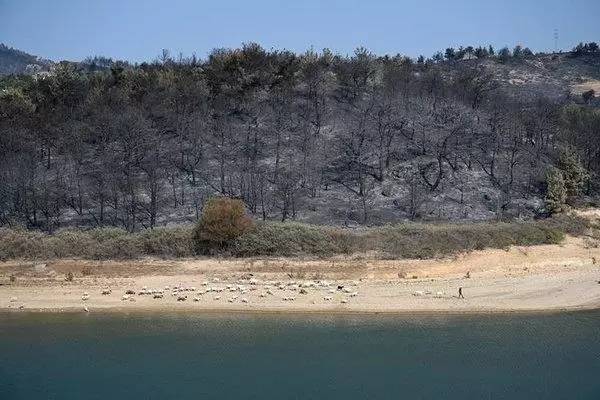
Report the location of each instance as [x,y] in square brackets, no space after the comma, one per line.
[460,295]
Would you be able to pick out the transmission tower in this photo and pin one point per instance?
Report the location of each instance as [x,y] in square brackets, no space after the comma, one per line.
[555,40]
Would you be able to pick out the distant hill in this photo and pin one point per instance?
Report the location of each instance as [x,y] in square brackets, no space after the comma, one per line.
[550,76]
[15,62]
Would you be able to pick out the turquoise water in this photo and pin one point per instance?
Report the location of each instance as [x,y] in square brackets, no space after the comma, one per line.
[187,356]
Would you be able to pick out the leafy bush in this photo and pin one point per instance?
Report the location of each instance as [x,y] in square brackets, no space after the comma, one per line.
[429,241]
[223,220]
[167,242]
[556,192]
[284,239]
[291,239]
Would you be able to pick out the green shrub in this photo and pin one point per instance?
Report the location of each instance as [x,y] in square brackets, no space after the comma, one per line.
[292,239]
[556,192]
[15,243]
[284,239]
[169,242]
[348,242]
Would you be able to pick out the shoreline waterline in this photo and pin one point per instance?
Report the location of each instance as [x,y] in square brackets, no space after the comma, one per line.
[229,311]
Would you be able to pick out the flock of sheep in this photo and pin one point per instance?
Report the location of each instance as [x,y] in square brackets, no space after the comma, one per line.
[240,291]
[437,295]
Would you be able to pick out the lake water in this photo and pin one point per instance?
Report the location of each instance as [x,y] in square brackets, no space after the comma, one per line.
[204,356]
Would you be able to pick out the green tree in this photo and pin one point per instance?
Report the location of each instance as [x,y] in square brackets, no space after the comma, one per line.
[518,51]
[579,130]
[556,193]
[504,54]
[574,174]
[526,53]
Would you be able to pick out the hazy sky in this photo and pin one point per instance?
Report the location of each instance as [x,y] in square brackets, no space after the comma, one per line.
[137,30]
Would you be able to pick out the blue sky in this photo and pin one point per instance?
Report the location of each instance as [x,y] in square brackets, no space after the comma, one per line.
[137,30]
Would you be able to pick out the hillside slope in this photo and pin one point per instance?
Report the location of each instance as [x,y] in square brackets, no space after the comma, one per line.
[314,137]
[14,62]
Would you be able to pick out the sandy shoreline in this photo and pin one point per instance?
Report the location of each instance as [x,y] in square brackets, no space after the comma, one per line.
[545,278]
[295,312]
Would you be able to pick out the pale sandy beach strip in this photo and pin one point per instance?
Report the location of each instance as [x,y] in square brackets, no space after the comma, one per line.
[534,279]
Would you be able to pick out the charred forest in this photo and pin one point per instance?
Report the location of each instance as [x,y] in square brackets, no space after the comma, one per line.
[313,137]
